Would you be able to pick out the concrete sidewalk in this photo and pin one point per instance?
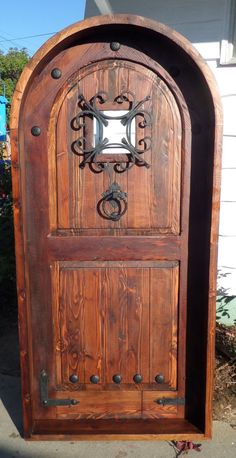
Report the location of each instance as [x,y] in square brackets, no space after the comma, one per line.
[13,446]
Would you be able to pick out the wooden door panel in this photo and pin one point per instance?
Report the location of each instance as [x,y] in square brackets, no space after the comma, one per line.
[116,318]
[154,192]
[103,404]
[110,281]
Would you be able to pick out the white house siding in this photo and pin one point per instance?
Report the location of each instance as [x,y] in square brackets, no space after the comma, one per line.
[203,23]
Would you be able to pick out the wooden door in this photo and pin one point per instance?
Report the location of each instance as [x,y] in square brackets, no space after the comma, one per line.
[106,263]
[105,153]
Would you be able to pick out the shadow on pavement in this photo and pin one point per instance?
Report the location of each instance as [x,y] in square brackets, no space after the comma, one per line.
[10,388]
[10,394]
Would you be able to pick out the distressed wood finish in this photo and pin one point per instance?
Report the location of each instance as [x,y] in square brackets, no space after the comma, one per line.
[164,429]
[120,303]
[155,204]
[107,305]
[90,291]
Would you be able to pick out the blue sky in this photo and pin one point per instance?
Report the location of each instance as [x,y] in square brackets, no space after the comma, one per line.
[25,18]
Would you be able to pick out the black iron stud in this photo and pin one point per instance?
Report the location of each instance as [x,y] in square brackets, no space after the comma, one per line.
[35,131]
[94,379]
[74,378]
[115,46]
[137,378]
[117,378]
[160,378]
[56,73]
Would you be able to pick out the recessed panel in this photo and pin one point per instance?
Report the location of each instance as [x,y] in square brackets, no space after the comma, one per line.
[119,175]
[116,325]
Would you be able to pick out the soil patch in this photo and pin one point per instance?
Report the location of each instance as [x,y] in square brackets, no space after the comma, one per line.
[224,404]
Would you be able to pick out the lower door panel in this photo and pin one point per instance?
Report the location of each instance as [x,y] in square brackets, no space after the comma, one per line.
[115,319]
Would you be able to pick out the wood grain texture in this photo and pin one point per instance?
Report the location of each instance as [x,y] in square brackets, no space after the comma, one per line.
[116,318]
[102,405]
[155,205]
[163,324]
[23,311]
[163,429]
[153,46]
[108,247]
[150,408]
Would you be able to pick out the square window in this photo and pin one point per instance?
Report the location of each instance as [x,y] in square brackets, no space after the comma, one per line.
[114,132]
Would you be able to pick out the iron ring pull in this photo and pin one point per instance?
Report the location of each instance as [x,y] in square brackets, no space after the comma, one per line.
[117,199]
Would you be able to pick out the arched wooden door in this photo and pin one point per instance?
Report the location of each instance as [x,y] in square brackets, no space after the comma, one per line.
[105,146]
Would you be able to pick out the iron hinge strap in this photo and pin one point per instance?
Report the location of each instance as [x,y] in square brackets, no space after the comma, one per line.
[46,402]
[170,401]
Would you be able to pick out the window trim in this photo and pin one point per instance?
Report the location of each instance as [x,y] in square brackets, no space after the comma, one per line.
[228,42]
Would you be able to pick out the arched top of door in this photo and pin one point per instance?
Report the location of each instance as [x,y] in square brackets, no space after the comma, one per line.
[151,37]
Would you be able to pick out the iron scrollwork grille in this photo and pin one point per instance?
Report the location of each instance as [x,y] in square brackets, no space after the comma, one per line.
[116,198]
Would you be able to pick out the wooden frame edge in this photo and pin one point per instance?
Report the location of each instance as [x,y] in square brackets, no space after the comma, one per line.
[21,286]
[117,437]
[215,216]
[67,34]
[55,43]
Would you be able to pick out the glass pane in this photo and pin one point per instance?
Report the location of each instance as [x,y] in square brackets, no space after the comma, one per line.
[114,132]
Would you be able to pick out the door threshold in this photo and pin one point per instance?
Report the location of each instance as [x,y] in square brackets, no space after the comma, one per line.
[133,429]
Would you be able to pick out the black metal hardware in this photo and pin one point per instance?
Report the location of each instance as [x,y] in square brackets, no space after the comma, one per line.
[94,379]
[56,73]
[44,394]
[170,401]
[113,204]
[160,378]
[115,46]
[90,153]
[74,378]
[35,131]
[137,378]
[117,378]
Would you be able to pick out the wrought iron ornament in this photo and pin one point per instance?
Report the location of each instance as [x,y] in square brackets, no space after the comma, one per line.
[113,204]
[91,110]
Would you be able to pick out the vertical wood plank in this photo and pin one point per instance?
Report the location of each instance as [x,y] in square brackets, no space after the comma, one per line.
[163,325]
[72,323]
[63,179]
[93,324]
[137,358]
[114,297]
